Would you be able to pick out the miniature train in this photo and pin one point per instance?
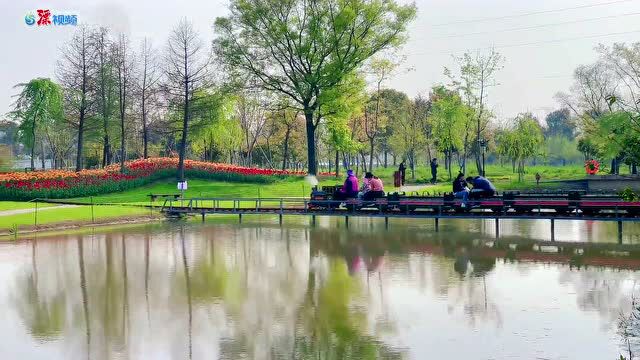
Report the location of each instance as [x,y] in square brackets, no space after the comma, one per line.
[570,202]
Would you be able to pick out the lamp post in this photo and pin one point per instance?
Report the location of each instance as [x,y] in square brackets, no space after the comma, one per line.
[482,143]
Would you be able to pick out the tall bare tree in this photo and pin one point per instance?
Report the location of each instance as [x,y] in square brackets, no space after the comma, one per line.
[251,113]
[476,75]
[123,59]
[186,71]
[104,85]
[75,72]
[147,88]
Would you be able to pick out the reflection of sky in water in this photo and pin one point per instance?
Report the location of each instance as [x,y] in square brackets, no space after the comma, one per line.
[259,291]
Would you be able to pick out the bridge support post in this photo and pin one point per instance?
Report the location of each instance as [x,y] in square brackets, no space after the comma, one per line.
[240,218]
[619,232]
[386,222]
[437,223]
[497,228]
[280,219]
[203,216]
[553,230]
[346,221]
[313,220]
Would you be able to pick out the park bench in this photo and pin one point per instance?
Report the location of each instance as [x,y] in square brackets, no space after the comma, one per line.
[153,197]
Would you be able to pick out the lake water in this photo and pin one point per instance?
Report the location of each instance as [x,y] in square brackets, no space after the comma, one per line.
[223,290]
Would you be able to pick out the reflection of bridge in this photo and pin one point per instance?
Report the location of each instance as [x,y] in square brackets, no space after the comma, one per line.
[618,256]
[386,210]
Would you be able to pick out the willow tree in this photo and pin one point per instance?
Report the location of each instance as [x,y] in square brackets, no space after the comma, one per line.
[39,102]
[521,142]
[303,48]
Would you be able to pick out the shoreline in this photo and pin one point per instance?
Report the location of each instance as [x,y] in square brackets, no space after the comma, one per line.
[7,235]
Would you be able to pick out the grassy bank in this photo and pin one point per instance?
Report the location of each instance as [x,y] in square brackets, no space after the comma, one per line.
[77,214]
[19,205]
[502,176]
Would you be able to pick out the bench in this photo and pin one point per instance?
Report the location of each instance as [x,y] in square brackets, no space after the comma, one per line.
[153,197]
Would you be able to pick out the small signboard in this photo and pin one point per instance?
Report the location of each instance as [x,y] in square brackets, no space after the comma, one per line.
[182,185]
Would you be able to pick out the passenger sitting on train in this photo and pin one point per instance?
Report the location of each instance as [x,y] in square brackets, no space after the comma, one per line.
[365,188]
[482,187]
[461,189]
[377,189]
[350,188]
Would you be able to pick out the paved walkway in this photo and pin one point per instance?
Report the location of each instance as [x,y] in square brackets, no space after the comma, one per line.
[31,210]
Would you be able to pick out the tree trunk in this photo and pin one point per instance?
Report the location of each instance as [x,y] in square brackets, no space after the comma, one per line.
[33,155]
[337,164]
[145,135]
[385,158]
[371,154]
[80,138]
[42,155]
[185,125]
[122,143]
[285,155]
[311,141]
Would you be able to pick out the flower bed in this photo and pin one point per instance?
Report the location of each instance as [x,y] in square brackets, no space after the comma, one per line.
[66,184]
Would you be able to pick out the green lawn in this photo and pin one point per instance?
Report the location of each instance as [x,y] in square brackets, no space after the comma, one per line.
[79,214]
[503,178]
[204,188]
[16,205]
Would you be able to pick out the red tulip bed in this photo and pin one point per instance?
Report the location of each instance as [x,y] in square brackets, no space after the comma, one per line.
[58,184]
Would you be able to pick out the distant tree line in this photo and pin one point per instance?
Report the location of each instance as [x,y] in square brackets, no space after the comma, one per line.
[291,85]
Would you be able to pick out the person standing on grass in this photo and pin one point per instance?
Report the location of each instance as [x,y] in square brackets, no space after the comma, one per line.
[434,170]
[402,170]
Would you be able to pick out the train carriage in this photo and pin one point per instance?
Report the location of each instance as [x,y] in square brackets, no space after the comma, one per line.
[567,203]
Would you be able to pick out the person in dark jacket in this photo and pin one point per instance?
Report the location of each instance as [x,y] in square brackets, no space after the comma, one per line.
[461,189]
[403,170]
[482,187]
[434,170]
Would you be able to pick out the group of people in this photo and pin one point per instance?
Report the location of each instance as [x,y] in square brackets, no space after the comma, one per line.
[371,188]
[481,188]
[474,187]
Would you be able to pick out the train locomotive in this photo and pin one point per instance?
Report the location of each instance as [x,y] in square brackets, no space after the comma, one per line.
[513,202]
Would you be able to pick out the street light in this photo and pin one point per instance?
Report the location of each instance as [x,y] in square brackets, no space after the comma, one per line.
[482,143]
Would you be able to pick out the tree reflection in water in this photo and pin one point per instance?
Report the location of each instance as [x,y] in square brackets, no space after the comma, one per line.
[262,292]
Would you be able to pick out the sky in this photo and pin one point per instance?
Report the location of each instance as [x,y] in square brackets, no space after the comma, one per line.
[542,41]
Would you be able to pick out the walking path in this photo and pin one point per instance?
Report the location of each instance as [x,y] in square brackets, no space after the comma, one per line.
[31,210]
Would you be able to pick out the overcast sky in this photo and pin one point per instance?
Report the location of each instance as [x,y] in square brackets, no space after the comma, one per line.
[540,59]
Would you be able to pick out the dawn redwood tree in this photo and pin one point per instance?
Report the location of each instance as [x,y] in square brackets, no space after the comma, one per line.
[147,86]
[104,87]
[304,49]
[123,61]
[185,72]
[75,71]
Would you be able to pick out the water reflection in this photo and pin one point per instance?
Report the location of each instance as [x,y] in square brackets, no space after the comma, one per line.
[263,292]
